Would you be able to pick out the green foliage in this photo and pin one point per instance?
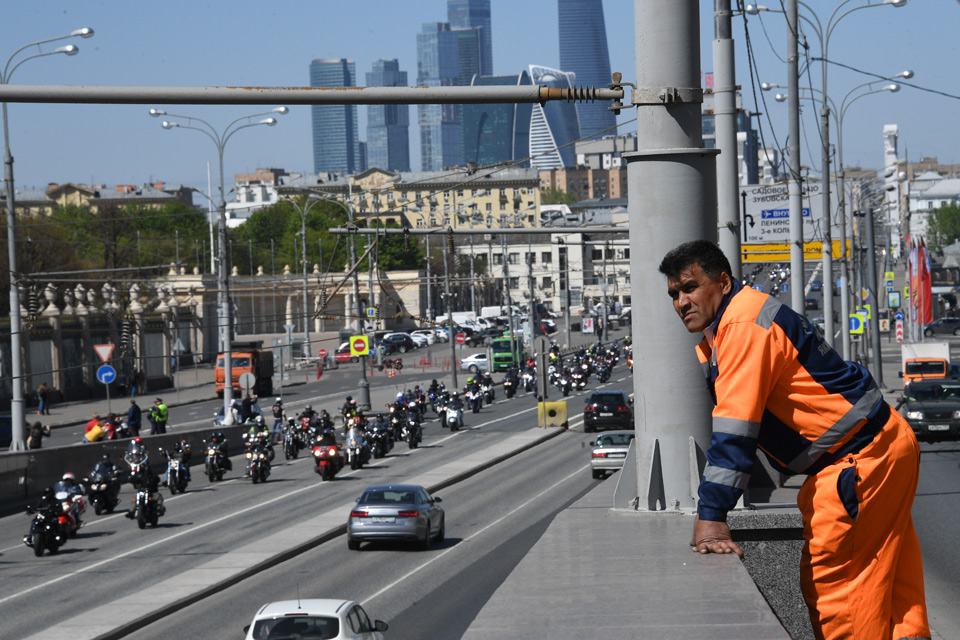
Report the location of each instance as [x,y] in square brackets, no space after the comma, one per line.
[943,226]
[556,196]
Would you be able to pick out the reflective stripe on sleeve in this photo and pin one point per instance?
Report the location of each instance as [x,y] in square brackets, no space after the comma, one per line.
[726,477]
[734,427]
[834,434]
[768,312]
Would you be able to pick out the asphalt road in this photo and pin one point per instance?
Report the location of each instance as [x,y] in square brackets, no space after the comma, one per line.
[112,556]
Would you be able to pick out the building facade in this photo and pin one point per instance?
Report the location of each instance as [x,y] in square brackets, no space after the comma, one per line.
[336,144]
[584,53]
[494,133]
[474,14]
[388,140]
[586,183]
[554,126]
[438,66]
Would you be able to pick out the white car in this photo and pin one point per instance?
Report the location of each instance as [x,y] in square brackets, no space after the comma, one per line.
[475,363]
[429,334]
[314,618]
[442,334]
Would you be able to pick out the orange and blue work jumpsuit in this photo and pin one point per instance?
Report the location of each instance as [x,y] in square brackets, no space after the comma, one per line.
[778,386]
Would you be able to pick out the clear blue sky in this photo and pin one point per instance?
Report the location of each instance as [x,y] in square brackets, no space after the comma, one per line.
[239,42]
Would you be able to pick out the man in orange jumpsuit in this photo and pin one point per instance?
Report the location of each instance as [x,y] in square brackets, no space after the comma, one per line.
[779,387]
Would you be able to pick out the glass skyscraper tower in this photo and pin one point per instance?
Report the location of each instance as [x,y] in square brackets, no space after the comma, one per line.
[472,14]
[438,66]
[554,126]
[583,51]
[495,133]
[336,144]
[388,142]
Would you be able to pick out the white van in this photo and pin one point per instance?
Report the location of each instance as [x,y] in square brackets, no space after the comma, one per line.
[463,319]
[499,311]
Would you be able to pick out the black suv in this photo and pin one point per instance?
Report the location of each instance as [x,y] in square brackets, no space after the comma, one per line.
[397,343]
[480,338]
[608,410]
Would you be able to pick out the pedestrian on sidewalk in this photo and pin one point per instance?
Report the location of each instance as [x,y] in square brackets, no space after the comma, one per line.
[37,433]
[158,417]
[134,418]
[136,379]
[778,386]
[122,384]
[43,398]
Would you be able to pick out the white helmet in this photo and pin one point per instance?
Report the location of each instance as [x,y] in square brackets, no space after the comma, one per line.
[69,477]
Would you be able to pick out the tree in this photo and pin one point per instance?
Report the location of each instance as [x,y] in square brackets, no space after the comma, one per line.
[552,195]
[943,226]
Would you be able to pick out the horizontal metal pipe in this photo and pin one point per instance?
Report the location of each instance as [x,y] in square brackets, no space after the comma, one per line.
[92,94]
[439,231]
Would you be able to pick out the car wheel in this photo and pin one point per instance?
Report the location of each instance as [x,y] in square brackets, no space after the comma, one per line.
[402,348]
[598,475]
[354,359]
[928,332]
[425,543]
[441,536]
[956,331]
[353,545]
[474,368]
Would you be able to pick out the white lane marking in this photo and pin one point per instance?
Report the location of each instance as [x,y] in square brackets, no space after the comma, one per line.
[476,533]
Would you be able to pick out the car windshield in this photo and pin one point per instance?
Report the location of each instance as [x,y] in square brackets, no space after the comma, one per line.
[388,496]
[607,398]
[934,392]
[615,439]
[237,362]
[290,627]
[932,367]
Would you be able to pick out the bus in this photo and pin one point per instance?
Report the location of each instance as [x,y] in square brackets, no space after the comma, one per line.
[503,357]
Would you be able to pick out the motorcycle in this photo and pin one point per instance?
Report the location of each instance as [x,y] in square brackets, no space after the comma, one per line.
[357,452]
[381,440]
[215,463]
[529,381]
[413,433]
[454,418]
[487,391]
[329,459]
[146,509]
[578,380]
[474,400]
[291,440]
[565,384]
[396,421]
[177,476]
[509,387]
[259,460]
[603,373]
[103,492]
[47,533]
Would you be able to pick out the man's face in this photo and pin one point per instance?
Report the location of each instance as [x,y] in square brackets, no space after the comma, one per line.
[696,297]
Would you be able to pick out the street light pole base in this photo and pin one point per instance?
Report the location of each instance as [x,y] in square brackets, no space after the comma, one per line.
[363,395]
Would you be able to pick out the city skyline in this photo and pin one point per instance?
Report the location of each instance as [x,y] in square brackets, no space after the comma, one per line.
[119,144]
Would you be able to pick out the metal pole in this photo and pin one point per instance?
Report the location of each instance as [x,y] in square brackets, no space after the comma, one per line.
[725,117]
[213,257]
[429,289]
[566,279]
[253,299]
[306,299]
[473,281]
[323,324]
[825,187]
[794,187]
[876,361]
[532,310]
[17,411]
[454,365]
[670,151]
[506,287]
[603,289]
[363,386]
[223,295]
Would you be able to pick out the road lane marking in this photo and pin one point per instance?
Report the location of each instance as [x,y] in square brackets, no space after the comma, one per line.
[475,534]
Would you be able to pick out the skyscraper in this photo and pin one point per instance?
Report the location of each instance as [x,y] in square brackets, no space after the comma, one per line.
[335,140]
[583,51]
[438,66]
[468,55]
[554,126]
[495,133]
[388,142]
[470,14]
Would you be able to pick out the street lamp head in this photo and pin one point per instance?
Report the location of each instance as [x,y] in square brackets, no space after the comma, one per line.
[157,112]
[85,32]
[169,125]
[905,74]
[766,86]
[892,88]
[754,9]
[896,3]
[70,50]
[281,110]
[268,121]
[780,97]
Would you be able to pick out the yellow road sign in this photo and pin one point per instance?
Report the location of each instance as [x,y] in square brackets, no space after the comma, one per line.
[780,251]
[359,346]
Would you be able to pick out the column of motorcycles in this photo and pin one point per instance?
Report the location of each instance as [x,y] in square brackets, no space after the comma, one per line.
[574,374]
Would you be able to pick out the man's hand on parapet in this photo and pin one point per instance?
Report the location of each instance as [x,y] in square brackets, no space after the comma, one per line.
[713,537]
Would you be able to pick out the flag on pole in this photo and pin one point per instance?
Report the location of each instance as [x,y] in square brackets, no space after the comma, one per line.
[926,285]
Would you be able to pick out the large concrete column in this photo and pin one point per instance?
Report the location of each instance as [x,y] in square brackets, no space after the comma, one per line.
[672,186]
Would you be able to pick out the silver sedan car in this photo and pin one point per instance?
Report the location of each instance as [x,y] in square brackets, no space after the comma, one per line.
[609,451]
[396,512]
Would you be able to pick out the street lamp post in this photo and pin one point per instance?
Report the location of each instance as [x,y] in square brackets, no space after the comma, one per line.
[303,210]
[17,411]
[223,277]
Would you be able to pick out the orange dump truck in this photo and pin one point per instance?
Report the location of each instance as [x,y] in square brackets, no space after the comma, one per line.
[924,361]
[247,357]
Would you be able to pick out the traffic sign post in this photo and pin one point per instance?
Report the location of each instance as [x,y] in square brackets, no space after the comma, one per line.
[899,330]
[106,374]
[104,351]
[856,324]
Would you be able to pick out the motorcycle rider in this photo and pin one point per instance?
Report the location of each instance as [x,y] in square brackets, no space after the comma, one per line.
[349,408]
[456,404]
[487,379]
[435,387]
[324,421]
[150,483]
[182,448]
[69,484]
[218,440]
[278,415]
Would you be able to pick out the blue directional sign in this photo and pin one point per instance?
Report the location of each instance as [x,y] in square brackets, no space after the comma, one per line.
[758,287]
[856,323]
[785,288]
[898,316]
[106,374]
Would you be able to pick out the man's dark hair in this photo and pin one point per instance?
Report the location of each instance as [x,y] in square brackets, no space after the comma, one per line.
[703,252]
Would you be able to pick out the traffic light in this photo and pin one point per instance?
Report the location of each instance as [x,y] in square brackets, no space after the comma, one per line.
[323,298]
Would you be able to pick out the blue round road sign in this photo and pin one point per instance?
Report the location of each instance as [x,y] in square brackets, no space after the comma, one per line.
[106,374]
[898,315]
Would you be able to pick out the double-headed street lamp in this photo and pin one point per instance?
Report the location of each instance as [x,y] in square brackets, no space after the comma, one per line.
[17,413]
[223,292]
